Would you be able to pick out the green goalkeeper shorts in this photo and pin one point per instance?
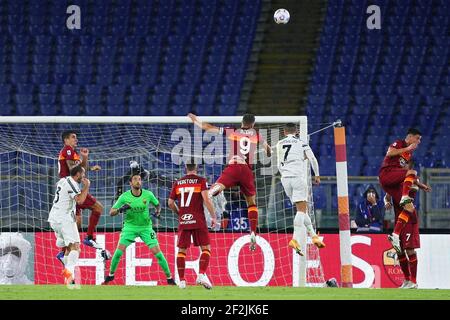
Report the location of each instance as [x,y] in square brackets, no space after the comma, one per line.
[130,233]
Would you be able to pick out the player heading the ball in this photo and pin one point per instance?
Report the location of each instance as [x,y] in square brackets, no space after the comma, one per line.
[238,172]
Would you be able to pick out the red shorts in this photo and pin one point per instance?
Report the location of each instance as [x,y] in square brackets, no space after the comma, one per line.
[200,237]
[409,237]
[391,180]
[238,175]
[89,202]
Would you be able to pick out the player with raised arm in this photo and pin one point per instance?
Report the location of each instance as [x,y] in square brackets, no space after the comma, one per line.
[67,159]
[191,193]
[137,223]
[396,180]
[293,155]
[63,222]
[238,172]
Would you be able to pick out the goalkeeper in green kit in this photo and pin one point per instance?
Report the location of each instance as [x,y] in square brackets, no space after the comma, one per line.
[137,223]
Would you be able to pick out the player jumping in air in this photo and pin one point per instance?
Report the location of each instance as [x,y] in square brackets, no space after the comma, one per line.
[238,172]
[396,179]
[63,222]
[293,155]
[409,241]
[191,193]
[67,159]
[137,223]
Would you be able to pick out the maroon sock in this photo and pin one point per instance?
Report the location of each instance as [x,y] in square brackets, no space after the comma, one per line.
[253,218]
[93,221]
[401,222]
[404,265]
[181,265]
[204,260]
[413,267]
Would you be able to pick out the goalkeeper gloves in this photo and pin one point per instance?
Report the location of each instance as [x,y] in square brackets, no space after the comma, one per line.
[124,208]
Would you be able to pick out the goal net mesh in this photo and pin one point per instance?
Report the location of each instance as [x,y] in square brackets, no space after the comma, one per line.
[29,173]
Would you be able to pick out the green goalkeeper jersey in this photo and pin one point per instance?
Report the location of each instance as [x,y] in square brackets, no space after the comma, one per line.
[138,214]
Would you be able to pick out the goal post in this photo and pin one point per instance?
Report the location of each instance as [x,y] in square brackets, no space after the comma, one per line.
[28,173]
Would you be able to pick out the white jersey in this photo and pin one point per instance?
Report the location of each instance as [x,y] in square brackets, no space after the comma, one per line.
[293,155]
[64,204]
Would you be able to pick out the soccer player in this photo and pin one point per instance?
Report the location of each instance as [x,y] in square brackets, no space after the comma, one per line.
[63,222]
[396,179]
[137,223]
[69,158]
[238,172]
[191,193]
[293,154]
[409,240]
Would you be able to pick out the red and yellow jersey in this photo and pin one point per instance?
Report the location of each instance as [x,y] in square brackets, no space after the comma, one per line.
[187,191]
[243,144]
[67,153]
[400,161]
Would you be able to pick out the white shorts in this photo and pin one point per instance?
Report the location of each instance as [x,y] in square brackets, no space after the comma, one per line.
[66,233]
[295,188]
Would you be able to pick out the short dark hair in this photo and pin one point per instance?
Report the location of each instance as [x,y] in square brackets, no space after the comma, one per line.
[66,134]
[191,166]
[248,119]
[75,170]
[134,173]
[414,131]
[290,127]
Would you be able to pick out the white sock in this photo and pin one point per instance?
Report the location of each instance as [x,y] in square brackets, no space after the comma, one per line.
[309,226]
[72,260]
[65,260]
[298,224]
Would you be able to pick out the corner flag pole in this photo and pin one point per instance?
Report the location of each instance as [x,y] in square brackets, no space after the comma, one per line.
[343,206]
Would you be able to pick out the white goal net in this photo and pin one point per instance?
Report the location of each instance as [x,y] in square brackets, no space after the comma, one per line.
[29,149]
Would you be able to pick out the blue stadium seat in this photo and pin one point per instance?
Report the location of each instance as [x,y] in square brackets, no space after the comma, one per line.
[48,110]
[94,109]
[75,110]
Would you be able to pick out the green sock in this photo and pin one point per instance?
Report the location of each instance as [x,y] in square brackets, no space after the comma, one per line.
[163,263]
[115,261]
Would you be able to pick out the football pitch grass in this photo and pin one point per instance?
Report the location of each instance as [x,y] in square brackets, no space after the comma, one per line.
[60,292]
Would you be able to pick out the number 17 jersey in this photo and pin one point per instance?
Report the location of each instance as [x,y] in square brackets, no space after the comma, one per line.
[187,191]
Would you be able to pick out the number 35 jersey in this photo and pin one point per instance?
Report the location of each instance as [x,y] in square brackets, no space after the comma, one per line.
[291,157]
[187,191]
[64,204]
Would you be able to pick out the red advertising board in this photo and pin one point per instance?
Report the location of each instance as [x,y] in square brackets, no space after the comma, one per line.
[232,263]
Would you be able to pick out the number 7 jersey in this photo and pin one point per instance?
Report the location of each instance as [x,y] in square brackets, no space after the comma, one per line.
[291,156]
[187,191]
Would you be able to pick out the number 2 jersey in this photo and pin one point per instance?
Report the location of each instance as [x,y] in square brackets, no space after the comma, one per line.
[187,191]
[64,204]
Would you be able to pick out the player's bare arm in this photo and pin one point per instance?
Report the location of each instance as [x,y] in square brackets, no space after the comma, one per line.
[72,163]
[84,192]
[267,148]
[173,206]
[423,186]
[202,124]
[209,205]
[392,152]
[158,210]
[85,153]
